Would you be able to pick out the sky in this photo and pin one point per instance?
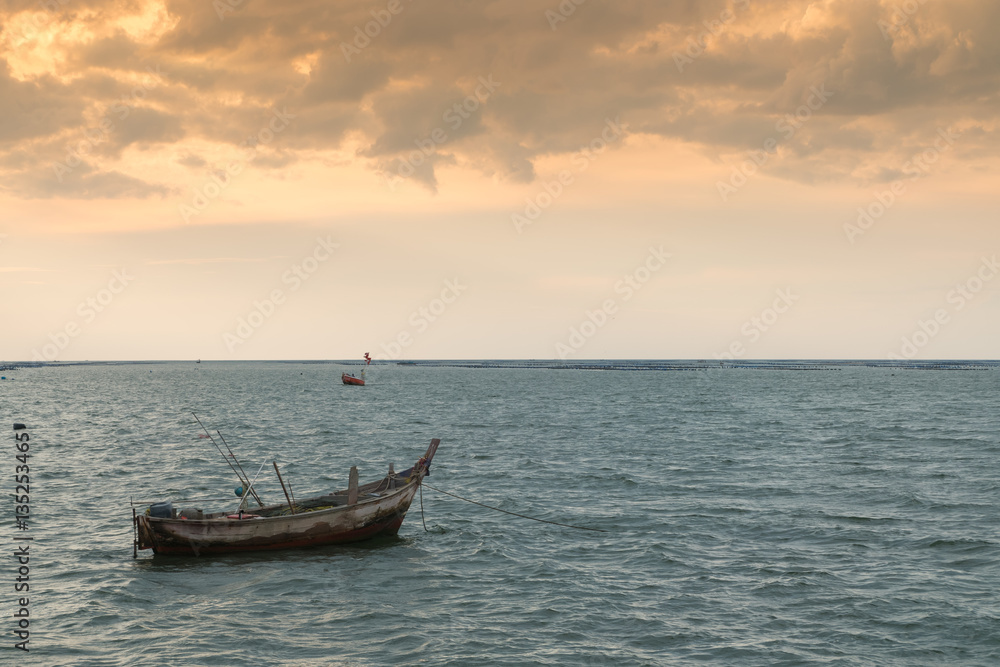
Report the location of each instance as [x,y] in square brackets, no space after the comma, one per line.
[419,179]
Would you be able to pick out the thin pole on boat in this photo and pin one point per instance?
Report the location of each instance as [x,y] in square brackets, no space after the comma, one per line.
[135,533]
[243,478]
[250,486]
[238,464]
[242,481]
[282,482]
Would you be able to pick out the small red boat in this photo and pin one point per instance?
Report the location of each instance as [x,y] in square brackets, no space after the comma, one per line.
[350,378]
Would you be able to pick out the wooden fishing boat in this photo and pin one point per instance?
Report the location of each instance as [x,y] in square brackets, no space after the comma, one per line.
[350,379]
[349,515]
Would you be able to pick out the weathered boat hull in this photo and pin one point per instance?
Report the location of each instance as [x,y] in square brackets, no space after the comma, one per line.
[379,511]
[341,525]
[350,379]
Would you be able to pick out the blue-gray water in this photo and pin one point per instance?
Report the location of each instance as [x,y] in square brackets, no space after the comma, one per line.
[753,517]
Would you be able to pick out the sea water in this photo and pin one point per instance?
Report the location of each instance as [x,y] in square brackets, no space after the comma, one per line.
[756,515]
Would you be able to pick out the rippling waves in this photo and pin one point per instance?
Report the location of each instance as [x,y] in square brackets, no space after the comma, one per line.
[753,518]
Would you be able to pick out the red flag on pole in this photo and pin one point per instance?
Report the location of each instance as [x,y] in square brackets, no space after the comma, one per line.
[368,359]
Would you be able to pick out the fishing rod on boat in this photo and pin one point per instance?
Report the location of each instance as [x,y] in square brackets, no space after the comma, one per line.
[238,464]
[242,478]
[249,488]
[222,453]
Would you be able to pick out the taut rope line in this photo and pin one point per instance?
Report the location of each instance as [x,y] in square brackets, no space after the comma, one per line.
[523,516]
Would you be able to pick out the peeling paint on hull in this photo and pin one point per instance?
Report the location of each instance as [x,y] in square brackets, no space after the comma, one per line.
[369,532]
[341,525]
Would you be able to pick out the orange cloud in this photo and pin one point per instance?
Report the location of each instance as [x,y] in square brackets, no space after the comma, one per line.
[372,86]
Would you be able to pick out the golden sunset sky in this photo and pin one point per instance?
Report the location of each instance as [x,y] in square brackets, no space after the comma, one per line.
[426,179]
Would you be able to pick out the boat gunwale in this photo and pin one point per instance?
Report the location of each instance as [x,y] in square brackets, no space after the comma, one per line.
[319,512]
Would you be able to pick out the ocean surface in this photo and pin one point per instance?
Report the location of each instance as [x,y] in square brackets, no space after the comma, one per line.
[782,514]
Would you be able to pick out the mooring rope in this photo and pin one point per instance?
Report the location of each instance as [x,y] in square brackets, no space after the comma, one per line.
[422,509]
[523,516]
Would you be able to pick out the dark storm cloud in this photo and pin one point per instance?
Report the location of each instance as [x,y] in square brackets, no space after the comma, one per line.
[720,75]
